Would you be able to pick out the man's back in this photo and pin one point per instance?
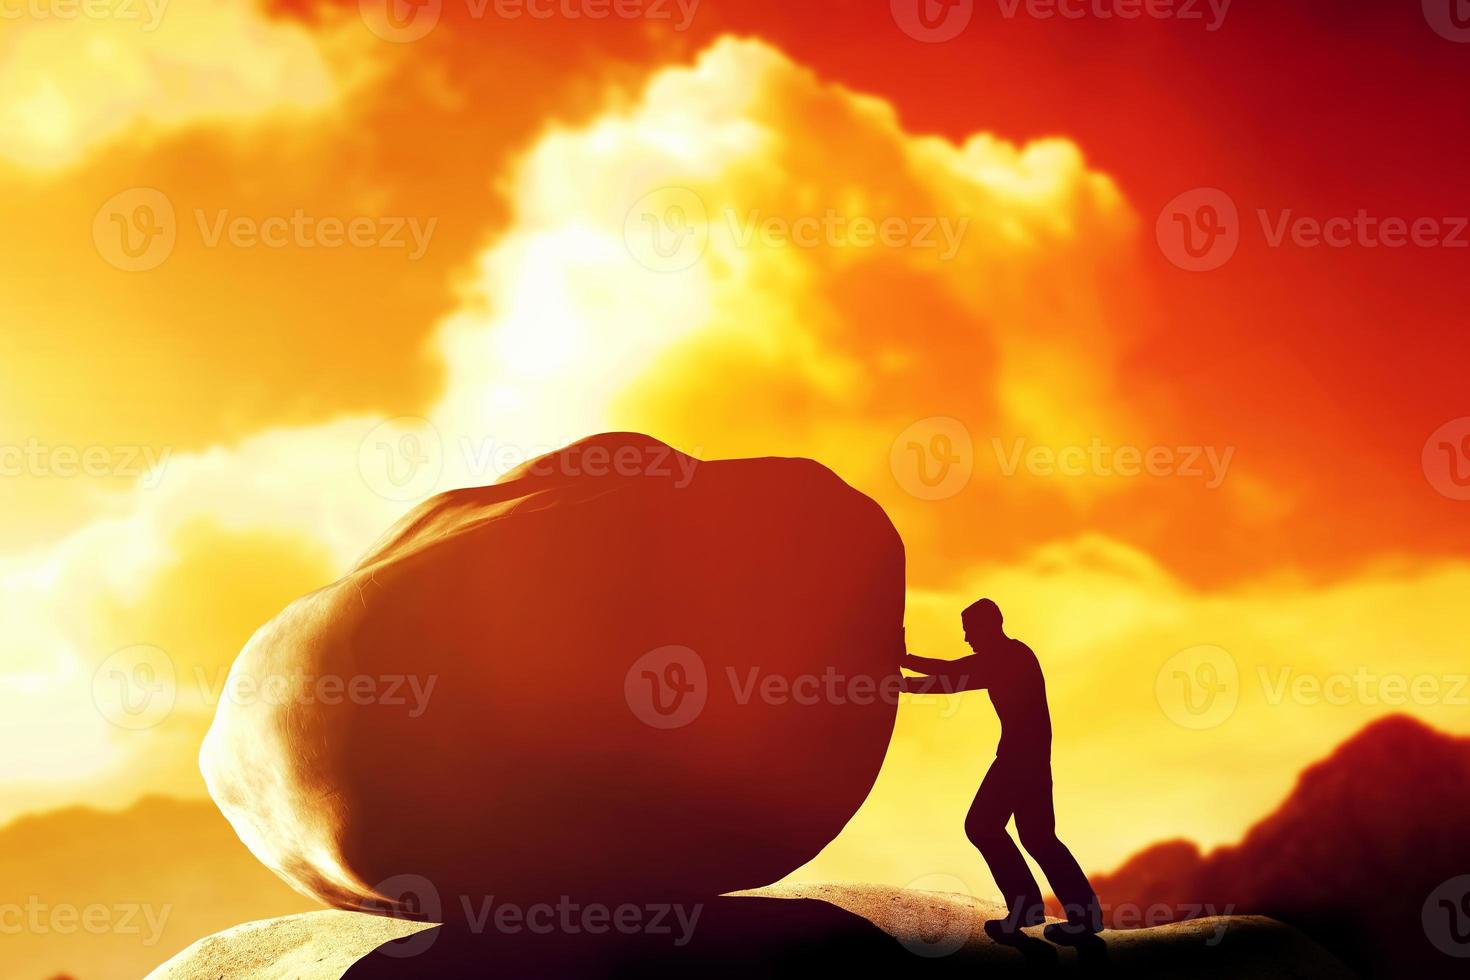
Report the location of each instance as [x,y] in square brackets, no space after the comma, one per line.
[1018,692]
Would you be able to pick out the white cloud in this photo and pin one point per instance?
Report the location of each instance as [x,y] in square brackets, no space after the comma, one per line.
[72,76]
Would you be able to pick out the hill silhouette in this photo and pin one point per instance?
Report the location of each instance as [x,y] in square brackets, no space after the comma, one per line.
[1350,857]
[166,871]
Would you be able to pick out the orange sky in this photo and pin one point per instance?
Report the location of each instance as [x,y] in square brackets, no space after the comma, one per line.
[1301,383]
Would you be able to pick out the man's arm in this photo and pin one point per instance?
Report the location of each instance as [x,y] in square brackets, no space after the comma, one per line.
[964,674]
[928,665]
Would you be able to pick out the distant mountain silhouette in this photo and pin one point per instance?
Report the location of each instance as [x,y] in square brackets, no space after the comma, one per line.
[156,877]
[1350,857]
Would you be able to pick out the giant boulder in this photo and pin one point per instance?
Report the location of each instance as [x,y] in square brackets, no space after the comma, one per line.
[617,673]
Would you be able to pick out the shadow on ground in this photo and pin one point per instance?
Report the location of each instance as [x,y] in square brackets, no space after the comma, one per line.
[754,936]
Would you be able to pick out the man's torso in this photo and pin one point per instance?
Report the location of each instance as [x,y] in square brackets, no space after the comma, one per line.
[1019,695]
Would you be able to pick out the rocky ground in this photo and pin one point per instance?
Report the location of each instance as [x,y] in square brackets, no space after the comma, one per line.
[781,930]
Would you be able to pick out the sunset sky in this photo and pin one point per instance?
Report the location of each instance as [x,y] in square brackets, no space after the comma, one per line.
[259,260]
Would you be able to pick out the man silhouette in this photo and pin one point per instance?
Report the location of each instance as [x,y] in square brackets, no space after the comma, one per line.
[1019,780]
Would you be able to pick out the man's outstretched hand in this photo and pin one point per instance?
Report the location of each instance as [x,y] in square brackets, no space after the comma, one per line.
[910,662]
[918,685]
[944,676]
[915,685]
[927,685]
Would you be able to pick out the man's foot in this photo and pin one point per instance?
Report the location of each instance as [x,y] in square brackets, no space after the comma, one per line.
[1071,932]
[1038,955]
[1011,925]
[1004,932]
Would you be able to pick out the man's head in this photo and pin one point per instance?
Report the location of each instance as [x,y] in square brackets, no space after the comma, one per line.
[982,621]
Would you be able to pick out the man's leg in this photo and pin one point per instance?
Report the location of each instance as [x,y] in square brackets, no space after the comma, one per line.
[986,827]
[1036,825]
